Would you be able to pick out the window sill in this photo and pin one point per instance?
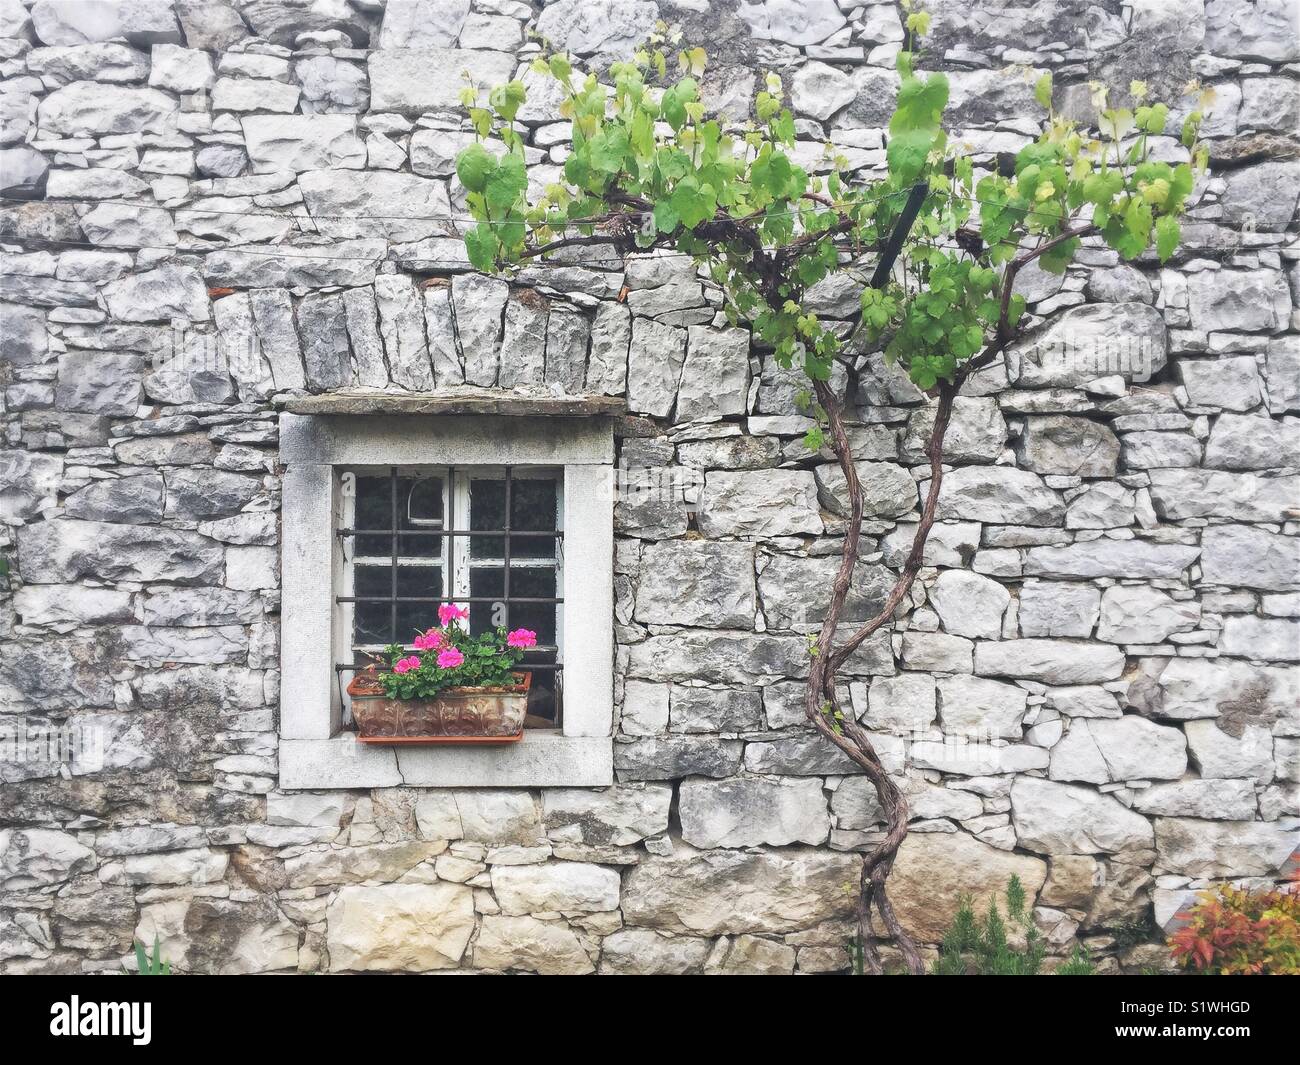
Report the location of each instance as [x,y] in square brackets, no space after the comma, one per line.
[543,758]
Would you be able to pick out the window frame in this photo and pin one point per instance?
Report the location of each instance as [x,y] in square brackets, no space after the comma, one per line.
[314,449]
[456,555]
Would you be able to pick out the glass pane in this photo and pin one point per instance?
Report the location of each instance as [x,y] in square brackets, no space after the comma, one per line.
[373,620]
[487,510]
[530,581]
[373,511]
[532,507]
[419,507]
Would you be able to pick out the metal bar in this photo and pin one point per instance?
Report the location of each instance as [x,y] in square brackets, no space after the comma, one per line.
[442,599]
[899,234]
[548,667]
[505,547]
[449,574]
[392,613]
[559,533]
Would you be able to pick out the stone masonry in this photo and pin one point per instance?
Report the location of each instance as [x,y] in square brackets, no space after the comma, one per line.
[211,203]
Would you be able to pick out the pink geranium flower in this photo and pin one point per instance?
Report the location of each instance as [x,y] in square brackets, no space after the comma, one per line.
[449,612]
[428,641]
[405,665]
[450,658]
[521,638]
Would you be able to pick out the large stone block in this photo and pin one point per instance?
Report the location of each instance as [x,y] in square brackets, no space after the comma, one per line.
[641,952]
[1142,615]
[402,927]
[1179,494]
[795,590]
[84,107]
[759,503]
[1252,300]
[715,375]
[619,816]
[298,143]
[356,203]
[56,552]
[37,857]
[673,757]
[969,604]
[1220,849]
[730,891]
[935,872]
[1051,661]
[700,583]
[1052,818]
[415,80]
[1110,558]
[888,490]
[1088,342]
[1061,444]
[555,887]
[527,944]
[1111,750]
[654,368]
[753,811]
[1000,495]
[1241,555]
[975,706]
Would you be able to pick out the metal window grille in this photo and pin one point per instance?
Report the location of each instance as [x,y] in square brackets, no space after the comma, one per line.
[488,539]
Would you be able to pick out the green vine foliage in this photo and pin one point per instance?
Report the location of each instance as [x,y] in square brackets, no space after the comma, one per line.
[650,169]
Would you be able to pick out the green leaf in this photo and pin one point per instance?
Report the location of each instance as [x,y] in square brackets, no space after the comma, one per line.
[481,247]
[666,217]
[1168,233]
[506,183]
[473,166]
[693,202]
[507,99]
[1043,91]
[608,149]
[560,67]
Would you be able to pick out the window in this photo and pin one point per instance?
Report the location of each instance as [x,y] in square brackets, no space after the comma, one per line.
[488,538]
[384,516]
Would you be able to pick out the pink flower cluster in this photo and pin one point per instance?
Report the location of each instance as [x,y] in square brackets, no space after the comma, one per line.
[450,612]
[450,658]
[405,665]
[521,638]
[428,641]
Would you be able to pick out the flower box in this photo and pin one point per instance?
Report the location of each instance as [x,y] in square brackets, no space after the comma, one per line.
[455,715]
[448,687]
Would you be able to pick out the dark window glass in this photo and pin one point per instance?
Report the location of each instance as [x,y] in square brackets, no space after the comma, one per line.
[419,506]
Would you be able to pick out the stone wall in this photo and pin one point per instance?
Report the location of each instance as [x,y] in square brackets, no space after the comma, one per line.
[1094,686]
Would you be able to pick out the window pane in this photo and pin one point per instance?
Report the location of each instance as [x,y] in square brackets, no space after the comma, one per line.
[529,582]
[532,507]
[419,507]
[373,620]
[487,510]
[373,511]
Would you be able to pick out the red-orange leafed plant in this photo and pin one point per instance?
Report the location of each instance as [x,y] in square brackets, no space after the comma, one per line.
[1236,932]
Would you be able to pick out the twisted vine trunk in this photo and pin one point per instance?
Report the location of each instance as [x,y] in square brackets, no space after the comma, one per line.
[840,726]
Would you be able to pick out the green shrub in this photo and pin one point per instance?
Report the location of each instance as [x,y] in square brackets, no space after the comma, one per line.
[974,947]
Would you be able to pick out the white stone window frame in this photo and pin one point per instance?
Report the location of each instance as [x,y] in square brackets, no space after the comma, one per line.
[315,752]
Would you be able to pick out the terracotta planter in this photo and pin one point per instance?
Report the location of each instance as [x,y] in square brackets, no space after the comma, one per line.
[456,715]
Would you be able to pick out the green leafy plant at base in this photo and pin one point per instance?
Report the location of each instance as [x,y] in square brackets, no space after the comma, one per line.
[935,244]
[147,966]
[975,947]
